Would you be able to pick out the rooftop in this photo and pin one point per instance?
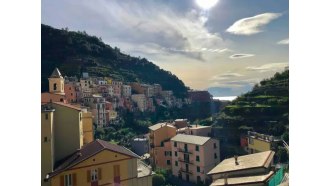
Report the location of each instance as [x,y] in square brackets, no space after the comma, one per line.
[262,159]
[67,105]
[160,125]
[143,169]
[88,151]
[56,74]
[243,180]
[192,139]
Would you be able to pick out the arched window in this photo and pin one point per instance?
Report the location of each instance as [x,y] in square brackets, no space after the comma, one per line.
[55,86]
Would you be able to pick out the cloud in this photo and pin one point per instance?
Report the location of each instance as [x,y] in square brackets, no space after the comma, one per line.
[226,76]
[235,56]
[252,25]
[268,67]
[153,24]
[283,42]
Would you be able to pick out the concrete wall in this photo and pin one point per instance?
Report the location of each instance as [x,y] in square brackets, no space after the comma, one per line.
[87,123]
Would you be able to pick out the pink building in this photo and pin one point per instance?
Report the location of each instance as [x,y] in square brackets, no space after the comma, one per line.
[70,91]
[193,157]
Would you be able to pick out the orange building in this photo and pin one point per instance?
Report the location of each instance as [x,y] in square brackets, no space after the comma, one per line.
[160,145]
[56,89]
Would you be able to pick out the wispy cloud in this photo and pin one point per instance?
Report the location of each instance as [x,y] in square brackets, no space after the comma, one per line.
[252,25]
[283,42]
[236,56]
[226,76]
[268,67]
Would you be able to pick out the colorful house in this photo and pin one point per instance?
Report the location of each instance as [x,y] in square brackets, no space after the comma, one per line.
[252,169]
[193,157]
[101,163]
[260,142]
[160,145]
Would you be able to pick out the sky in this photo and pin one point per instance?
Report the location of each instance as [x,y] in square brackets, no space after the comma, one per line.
[226,48]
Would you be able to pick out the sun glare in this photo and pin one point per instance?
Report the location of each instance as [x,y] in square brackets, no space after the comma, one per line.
[206,4]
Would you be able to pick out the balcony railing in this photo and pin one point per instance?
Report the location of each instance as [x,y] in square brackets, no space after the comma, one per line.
[186,171]
[184,151]
[186,161]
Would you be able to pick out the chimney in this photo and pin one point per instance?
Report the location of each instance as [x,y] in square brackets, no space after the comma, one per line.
[236,162]
[225,179]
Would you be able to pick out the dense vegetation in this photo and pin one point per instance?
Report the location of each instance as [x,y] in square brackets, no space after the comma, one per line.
[264,109]
[77,52]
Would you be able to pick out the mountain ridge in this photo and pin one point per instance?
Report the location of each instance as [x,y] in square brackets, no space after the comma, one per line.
[77,52]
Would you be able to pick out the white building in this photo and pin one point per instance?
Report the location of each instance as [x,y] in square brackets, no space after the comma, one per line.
[126,90]
[97,106]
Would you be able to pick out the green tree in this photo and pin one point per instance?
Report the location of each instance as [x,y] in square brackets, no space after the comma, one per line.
[158,180]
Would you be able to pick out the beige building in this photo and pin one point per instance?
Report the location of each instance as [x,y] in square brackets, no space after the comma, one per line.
[141,101]
[252,169]
[194,156]
[160,146]
[197,130]
[63,130]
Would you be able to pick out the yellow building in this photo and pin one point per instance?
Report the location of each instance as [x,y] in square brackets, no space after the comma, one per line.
[101,163]
[160,145]
[47,141]
[87,122]
[56,82]
[260,142]
[62,133]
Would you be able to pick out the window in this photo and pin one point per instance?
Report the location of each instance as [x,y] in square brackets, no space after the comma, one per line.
[215,156]
[197,148]
[46,116]
[197,158]
[170,153]
[199,179]
[70,89]
[176,153]
[176,163]
[251,141]
[61,100]
[71,94]
[198,169]
[45,139]
[175,144]
[214,145]
[54,86]
[80,116]
[168,162]
[68,180]
[162,144]
[94,175]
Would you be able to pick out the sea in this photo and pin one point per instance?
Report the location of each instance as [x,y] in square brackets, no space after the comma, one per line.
[226,98]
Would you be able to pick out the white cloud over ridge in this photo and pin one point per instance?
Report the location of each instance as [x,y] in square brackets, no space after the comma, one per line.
[268,67]
[283,42]
[252,25]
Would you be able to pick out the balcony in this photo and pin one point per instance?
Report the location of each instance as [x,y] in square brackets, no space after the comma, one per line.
[186,161]
[184,151]
[187,171]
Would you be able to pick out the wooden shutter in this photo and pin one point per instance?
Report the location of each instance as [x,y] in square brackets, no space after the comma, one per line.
[74,179]
[62,180]
[88,176]
[99,171]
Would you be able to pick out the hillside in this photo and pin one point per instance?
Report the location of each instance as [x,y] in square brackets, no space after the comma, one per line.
[264,109]
[77,52]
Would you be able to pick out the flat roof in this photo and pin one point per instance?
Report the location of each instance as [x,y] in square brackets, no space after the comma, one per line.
[262,159]
[192,139]
[243,180]
[160,125]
